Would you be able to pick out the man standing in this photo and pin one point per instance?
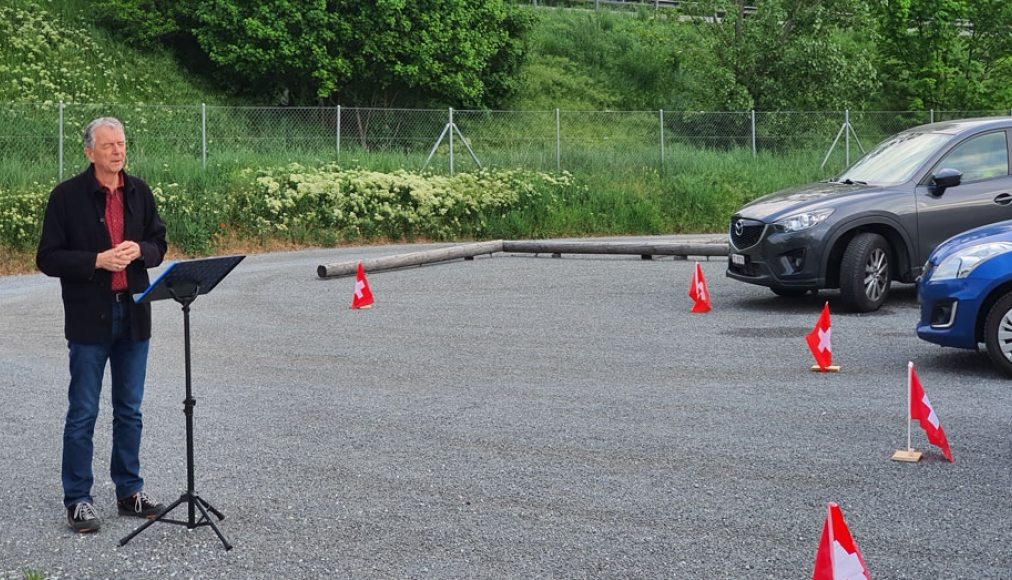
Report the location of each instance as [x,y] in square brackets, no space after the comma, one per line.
[100,234]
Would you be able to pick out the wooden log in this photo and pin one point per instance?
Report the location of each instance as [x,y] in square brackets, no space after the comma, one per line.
[630,248]
[412,259]
[554,248]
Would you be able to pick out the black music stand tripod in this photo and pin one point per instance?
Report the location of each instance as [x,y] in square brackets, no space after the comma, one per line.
[183,282]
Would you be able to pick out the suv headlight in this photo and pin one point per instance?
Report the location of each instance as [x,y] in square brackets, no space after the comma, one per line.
[802,221]
[963,262]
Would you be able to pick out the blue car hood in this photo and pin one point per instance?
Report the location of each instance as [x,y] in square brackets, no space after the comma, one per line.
[996,232]
[777,205]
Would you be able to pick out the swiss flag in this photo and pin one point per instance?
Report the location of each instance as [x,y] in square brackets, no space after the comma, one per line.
[363,296]
[838,557]
[921,409]
[820,340]
[698,292]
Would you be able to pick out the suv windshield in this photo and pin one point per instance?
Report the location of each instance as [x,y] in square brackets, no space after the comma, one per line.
[894,160]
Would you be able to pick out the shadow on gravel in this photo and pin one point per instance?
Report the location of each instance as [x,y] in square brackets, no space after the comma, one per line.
[767,332]
[967,364]
[901,297]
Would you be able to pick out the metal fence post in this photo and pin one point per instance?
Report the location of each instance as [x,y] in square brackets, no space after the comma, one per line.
[59,140]
[753,133]
[558,142]
[339,133]
[203,136]
[931,116]
[662,138]
[450,127]
[846,135]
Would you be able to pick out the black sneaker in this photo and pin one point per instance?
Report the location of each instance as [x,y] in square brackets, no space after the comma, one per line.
[139,505]
[83,518]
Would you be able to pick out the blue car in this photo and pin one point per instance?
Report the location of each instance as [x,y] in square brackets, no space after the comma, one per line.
[965,293]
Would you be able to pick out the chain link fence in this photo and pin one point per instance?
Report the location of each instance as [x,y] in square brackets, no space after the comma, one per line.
[42,142]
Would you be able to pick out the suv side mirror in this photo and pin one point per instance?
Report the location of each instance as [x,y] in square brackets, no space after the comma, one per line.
[945,178]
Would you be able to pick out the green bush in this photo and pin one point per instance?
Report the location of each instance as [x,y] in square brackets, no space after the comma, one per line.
[317,205]
[21,218]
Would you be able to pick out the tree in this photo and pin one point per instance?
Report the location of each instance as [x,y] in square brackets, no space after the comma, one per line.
[432,51]
[946,54]
[786,55]
[378,52]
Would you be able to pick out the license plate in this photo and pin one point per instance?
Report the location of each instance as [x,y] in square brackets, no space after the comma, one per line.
[738,259]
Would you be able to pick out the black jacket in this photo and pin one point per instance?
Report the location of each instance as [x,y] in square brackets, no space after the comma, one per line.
[74,232]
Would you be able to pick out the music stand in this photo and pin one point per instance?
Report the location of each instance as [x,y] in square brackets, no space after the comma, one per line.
[183,282]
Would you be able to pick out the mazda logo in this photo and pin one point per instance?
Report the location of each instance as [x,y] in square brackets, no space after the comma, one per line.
[739,228]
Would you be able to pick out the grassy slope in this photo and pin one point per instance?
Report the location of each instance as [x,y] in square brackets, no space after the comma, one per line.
[609,59]
[53,52]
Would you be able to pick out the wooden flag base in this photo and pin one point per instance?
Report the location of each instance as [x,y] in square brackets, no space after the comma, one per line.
[909,456]
[829,369]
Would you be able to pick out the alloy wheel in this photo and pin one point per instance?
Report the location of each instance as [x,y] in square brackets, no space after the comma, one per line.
[876,274]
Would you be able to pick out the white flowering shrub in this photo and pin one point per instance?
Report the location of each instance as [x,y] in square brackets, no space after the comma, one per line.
[350,204]
[21,217]
[193,216]
[323,205]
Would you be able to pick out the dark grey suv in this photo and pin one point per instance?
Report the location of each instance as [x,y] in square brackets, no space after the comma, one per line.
[878,221]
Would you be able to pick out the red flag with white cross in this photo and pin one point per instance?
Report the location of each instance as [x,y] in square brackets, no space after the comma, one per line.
[820,340]
[363,296]
[838,557]
[698,291]
[921,409]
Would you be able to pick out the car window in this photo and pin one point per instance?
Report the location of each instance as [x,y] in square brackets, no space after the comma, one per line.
[982,157]
[895,159]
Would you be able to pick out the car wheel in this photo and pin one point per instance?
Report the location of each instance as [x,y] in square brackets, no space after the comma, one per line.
[865,272]
[788,292]
[998,333]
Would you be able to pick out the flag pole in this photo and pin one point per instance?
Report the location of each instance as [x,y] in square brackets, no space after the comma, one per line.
[908,454]
[832,535]
[910,380]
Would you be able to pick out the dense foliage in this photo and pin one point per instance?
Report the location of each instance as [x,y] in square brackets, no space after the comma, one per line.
[605,60]
[385,53]
[946,54]
[706,55]
[788,55]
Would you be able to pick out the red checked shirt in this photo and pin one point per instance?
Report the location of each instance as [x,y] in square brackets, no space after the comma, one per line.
[114,222]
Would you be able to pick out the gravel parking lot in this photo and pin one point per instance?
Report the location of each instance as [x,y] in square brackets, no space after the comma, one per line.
[514,416]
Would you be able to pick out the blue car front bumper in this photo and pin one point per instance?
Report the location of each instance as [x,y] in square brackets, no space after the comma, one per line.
[949,310]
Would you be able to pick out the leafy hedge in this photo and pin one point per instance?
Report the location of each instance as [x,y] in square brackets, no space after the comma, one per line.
[327,203]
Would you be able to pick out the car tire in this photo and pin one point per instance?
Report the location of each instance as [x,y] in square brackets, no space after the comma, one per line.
[865,272]
[998,333]
[788,292]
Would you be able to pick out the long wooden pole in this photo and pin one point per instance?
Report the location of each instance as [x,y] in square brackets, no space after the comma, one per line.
[412,259]
[631,248]
[556,248]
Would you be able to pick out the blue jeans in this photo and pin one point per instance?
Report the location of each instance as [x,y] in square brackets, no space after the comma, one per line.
[128,361]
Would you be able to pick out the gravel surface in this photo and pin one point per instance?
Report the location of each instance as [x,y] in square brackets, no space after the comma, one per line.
[514,417]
